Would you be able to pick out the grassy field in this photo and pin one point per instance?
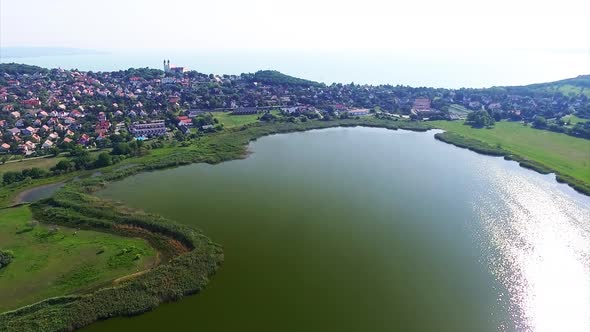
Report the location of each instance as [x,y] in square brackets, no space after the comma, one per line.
[458,109]
[573,119]
[49,263]
[566,154]
[572,90]
[230,121]
[44,163]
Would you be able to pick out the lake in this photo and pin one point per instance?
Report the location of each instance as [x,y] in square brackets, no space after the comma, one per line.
[366,229]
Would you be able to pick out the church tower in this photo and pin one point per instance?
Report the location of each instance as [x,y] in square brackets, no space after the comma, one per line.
[166,66]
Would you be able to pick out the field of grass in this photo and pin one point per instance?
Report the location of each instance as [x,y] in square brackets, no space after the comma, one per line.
[44,163]
[230,121]
[50,263]
[458,111]
[456,108]
[566,154]
[573,119]
[572,90]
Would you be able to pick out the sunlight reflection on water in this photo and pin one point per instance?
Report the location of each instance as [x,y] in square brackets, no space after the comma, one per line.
[542,238]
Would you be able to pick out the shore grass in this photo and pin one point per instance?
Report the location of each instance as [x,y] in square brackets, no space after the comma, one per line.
[49,262]
[546,151]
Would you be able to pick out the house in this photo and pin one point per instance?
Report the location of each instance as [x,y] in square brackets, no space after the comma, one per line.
[15,115]
[168,80]
[14,131]
[245,111]
[359,111]
[148,129]
[68,140]
[31,103]
[421,105]
[53,136]
[102,127]
[184,121]
[47,144]
[84,139]
[341,108]
[8,108]
[77,114]
[290,110]
[69,120]
[494,106]
[28,131]
[4,147]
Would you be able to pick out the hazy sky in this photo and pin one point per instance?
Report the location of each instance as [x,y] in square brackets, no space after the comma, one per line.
[296,24]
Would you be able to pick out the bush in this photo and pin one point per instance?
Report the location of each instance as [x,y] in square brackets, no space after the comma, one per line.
[6,257]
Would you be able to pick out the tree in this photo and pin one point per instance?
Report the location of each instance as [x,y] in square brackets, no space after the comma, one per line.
[267,117]
[63,166]
[121,149]
[539,122]
[11,177]
[6,257]
[54,151]
[104,159]
[480,119]
[83,161]
[34,173]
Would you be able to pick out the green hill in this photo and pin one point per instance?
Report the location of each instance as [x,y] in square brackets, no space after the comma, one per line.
[275,77]
[569,87]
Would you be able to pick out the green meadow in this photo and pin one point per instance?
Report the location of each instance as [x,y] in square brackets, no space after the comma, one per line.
[17,166]
[51,261]
[228,120]
[565,154]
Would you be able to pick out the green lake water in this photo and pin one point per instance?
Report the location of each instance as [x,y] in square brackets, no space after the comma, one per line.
[365,229]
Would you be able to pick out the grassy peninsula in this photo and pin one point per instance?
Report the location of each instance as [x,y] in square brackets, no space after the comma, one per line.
[38,270]
[544,151]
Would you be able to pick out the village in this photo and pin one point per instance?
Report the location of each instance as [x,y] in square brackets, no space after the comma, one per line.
[48,111]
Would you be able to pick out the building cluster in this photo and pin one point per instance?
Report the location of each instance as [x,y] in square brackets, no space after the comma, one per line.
[41,109]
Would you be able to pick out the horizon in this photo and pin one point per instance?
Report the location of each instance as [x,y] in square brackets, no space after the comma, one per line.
[454,44]
[413,68]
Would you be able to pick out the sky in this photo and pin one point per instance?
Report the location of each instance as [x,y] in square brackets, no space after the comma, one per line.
[304,25]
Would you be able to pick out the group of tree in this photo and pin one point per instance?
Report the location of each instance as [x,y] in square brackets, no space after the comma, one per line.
[480,119]
[11,177]
[82,159]
[6,257]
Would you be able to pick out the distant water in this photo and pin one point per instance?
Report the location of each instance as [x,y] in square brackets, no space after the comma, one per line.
[435,68]
[365,229]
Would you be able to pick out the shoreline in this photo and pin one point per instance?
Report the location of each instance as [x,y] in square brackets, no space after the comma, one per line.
[19,198]
[486,149]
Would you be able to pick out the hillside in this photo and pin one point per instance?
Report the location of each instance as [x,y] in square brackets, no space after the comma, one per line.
[274,77]
[571,86]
